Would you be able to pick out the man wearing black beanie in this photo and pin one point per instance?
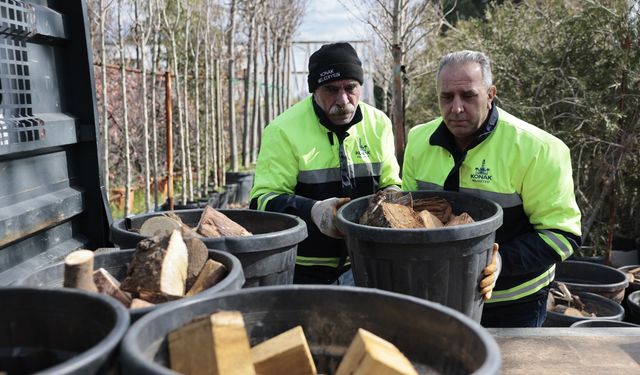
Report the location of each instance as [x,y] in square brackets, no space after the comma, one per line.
[320,153]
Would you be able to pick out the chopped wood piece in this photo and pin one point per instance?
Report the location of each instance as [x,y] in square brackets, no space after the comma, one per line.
[430,220]
[138,303]
[156,297]
[211,273]
[198,255]
[370,354]
[107,284]
[438,206]
[286,353]
[400,216]
[374,216]
[216,344]
[159,226]
[78,271]
[571,311]
[159,265]
[463,218]
[216,224]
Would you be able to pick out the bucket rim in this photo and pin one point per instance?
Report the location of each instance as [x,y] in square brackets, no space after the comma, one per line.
[129,349]
[622,284]
[96,353]
[234,244]
[418,235]
[593,297]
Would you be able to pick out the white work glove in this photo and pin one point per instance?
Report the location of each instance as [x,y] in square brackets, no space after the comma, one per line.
[323,215]
[491,273]
[391,188]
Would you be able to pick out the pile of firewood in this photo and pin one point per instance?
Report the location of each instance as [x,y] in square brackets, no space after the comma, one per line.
[212,223]
[163,268]
[218,344]
[399,210]
[633,275]
[562,301]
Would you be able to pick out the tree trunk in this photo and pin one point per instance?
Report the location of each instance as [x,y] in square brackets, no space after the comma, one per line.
[231,75]
[207,99]
[398,104]
[220,127]
[105,113]
[188,173]
[255,122]
[154,115]
[246,136]
[267,69]
[125,113]
[197,120]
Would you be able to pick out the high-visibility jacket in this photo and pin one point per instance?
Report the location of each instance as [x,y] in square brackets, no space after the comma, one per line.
[524,169]
[302,161]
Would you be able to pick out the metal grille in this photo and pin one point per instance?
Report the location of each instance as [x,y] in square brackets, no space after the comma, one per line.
[17,122]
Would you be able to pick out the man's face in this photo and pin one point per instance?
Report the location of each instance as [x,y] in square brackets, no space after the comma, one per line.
[464,100]
[339,100]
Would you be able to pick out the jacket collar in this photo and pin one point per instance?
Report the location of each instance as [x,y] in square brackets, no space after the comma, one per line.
[442,136]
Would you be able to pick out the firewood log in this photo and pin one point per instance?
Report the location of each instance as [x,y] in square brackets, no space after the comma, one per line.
[400,216]
[159,265]
[78,271]
[463,218]
[108,285]
[198,255]
[211,273]
[213,223]
[438,206]
[430,220]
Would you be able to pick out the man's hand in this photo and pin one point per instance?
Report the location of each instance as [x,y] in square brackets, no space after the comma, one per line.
[323,214]
[491,273]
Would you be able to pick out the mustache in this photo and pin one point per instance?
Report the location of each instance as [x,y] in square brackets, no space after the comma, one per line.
[346,109]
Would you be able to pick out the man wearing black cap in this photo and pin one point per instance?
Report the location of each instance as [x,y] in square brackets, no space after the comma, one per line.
[319,154]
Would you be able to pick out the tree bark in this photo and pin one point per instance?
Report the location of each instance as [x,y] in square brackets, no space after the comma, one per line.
[233,157]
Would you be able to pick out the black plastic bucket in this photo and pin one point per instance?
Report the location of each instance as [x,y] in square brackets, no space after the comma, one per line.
[268,256]
[430,335]
[632,286]
[244,180]
[231,190]
[592,277]
[116,262]
[604,308]
[442,265]
[633,307]
[59,331]
[593,323]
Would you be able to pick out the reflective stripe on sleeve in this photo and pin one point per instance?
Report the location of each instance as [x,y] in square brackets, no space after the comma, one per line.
[524,289]
[558,242]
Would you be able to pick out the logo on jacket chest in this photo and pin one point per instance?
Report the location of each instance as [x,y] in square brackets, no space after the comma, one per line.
[482,173]
[363,150]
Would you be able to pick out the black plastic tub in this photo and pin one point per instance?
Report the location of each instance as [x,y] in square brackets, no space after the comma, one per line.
[604,308]
[592,277]
[635,286]
[593,323]
[633,307]
[432,336]
[244,181]
[268,257]
[116,262]
[59,331]
[443,265]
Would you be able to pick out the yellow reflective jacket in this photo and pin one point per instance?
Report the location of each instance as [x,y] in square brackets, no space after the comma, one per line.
[521,167]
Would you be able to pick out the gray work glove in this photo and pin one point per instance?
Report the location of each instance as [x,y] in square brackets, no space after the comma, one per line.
[323,215]
[491,273]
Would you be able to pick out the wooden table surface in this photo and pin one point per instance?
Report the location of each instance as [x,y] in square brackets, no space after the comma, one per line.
[559,351]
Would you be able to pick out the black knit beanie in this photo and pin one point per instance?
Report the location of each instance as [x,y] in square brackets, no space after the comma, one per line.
[334,62]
